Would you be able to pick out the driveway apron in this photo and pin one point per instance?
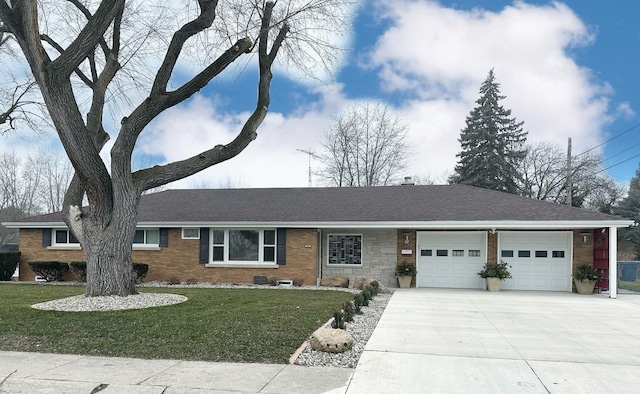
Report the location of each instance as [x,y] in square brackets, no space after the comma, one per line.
[473,341]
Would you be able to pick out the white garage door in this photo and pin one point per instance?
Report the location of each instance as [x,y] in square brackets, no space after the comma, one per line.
[451,259]
[539,260]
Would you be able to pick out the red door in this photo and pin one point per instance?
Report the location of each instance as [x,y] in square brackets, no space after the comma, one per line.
[601,256]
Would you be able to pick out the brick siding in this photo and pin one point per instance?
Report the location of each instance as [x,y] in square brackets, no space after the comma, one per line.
[180,259]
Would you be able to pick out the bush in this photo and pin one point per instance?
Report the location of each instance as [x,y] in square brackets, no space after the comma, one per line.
[366,296]
[192,281]
[297,282]
[358,301]
[499,270]
[273,281]
[375,288]
[174,280]
[585,272]
[338,320]
[79,269]
[50,270]
[140,272]
[348,311]
[8,264]
[406,268]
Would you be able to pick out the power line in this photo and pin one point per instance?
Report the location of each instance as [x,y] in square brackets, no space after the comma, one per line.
[609,140]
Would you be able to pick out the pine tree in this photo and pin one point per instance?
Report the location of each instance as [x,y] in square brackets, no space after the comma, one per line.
[629,208]
[492,143]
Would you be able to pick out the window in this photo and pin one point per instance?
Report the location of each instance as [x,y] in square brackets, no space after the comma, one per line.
[345,249]
[474,253]
[524,253]
[541,253]
[190,233]
[269,246]
[506,253]
[243,246]
[64,237]
[557,254]
[457,253]
[426,252]
[442,252]
[149,237]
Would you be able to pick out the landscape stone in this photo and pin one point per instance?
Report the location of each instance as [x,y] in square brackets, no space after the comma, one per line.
[362,281]
[331,340]
[335,281]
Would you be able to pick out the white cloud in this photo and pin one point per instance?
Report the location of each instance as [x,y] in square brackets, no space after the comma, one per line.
[441,55]
[271,160]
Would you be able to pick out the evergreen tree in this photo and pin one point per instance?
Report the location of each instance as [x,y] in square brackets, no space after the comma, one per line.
[492,143]
[629,208]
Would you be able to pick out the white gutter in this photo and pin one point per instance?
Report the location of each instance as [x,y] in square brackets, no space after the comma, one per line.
[426,225]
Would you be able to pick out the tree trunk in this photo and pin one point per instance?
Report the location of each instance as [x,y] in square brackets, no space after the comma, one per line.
[108,254]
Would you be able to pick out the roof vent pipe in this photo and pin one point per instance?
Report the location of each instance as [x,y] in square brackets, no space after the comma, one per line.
[407,181]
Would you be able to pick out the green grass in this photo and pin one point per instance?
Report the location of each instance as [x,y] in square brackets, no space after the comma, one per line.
[633,286]
[233,325]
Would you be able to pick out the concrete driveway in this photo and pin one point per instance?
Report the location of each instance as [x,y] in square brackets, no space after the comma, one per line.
[473,341]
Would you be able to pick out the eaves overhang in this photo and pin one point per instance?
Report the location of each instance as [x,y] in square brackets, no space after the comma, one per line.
[426,225]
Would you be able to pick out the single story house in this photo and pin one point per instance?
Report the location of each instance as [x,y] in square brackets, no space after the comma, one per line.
[449,231]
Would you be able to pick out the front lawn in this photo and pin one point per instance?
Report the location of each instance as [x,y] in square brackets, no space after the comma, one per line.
[233,325]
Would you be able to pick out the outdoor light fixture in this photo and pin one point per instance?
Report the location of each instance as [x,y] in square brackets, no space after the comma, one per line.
[493,231]
[406,238]
[585,236]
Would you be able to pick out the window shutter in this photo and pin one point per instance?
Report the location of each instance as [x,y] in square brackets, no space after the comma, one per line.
[281,248]
[164,237]
[204,245]
[46,237]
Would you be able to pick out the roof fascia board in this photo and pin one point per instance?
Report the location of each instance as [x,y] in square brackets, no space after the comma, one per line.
[437,225]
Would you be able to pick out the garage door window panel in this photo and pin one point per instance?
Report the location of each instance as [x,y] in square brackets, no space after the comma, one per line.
[524,253]
[541,253]
[457,253]
[442,252]
[557,254]
[506,253]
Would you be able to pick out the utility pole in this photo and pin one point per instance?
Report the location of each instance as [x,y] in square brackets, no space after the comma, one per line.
[310,153]
[569,181]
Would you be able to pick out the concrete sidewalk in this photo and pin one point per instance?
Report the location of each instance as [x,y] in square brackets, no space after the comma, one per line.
[473,341]
[71,374]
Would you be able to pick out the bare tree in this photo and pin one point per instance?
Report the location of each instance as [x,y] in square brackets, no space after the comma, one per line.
[544,177]
[105,38]
[365,147]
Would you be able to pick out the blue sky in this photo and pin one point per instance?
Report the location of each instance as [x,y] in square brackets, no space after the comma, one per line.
[568,69]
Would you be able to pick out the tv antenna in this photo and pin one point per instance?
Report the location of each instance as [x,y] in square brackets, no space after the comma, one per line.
[311,154]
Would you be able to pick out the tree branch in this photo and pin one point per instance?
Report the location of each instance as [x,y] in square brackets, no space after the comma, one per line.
[88,37]
[203,21]
[60,49]
[160,175]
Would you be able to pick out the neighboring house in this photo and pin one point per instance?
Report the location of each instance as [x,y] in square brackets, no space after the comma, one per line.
[450,231]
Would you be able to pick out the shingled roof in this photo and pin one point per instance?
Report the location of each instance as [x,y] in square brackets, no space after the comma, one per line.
[410,205]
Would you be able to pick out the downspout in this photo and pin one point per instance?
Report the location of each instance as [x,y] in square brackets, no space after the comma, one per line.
[613,262]
[319,270]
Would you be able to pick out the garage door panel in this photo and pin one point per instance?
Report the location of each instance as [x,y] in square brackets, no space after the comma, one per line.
[537,273]
[459,267]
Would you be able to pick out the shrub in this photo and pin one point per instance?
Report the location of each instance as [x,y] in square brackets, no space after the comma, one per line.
[338,320]
[358,301]
[140,272]
[348,311]
[375,288]
[366,296]
[273,281]
[297,282]
[79,269]
[50,270]
[8,264]
[174,280]
[405,268]
[585,272]
[192,281]
[499,270]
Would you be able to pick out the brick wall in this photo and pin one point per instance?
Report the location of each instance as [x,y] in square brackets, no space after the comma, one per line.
[401,245]
[582,252]
[180,259]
